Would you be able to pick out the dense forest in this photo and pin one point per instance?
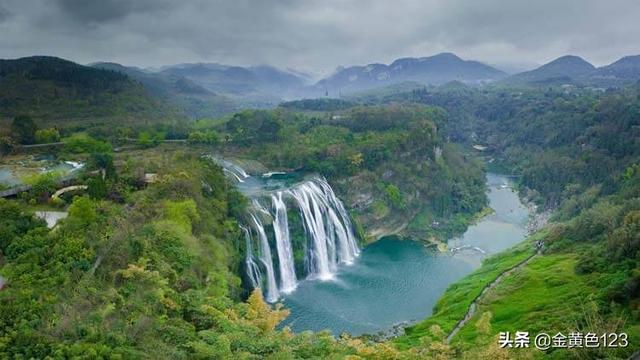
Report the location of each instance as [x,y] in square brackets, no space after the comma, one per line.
[59,92]
[391,164]
[151,274]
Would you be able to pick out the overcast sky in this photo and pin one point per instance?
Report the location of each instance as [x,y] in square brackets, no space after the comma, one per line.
[318,35]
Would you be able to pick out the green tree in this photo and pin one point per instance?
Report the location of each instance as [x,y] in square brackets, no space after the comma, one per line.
[102,161]
[44,136]
[83,143]
[23,129]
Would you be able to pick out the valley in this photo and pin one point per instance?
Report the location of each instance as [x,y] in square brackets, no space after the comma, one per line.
[204,220]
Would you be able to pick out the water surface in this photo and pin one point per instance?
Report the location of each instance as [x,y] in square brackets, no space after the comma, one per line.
[398,280]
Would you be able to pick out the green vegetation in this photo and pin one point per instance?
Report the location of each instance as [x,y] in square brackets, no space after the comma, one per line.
[323,104]
[53,91]
[377,158]
[453,305]
[138,280]
[152,270]
[23,130]
[44,136]
[577,153]
[82,143]
[209,137]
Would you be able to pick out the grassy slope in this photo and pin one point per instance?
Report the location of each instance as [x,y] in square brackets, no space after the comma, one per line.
[546,295]
[453,305]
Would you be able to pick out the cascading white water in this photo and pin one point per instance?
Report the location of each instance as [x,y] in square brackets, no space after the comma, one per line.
[234,170]
[233,174]
[253,270]
[317,252]
[328,226]
[330,240]
[267,260]
[348,244]
[288,281]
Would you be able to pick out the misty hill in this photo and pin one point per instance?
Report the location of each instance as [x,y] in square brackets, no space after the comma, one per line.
[565,69]
[257,84]
[625,70]
[60,91]
[433,70]
[184,94]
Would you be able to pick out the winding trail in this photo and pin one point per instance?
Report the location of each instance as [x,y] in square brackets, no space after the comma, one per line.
[474,304]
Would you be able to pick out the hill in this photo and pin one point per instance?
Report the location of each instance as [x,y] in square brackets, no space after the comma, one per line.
[192,99]
[565,69]
[624,71]
[434,70]
[58,91]
[255,85]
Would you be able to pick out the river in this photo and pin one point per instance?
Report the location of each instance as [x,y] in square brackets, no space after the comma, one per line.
[400,280]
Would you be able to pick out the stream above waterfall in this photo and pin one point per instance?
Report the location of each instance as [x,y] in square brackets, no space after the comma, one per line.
[300,249]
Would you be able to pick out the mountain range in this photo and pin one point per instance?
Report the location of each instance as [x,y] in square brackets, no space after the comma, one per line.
[261,84]
[575,70]
[53,87]
[181,92]
[432,70]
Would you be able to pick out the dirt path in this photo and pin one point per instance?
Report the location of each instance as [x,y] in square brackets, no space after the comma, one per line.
[474,304]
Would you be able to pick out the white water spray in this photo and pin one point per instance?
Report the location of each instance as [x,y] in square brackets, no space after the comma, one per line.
[288,281]
[253,270]
[267,260]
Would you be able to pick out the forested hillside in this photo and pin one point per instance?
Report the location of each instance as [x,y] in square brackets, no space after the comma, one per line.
[189,98]
[138,272]
[391,164]
[60,92]
[577,152]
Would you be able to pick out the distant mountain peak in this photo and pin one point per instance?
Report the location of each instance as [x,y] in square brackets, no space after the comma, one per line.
[627,60]
[571,60]
[447,56]
[623,71]
[434,70]
[567,68]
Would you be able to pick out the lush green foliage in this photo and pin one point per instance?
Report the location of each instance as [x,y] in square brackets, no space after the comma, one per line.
[377,157]
[561,141]
[23,130]
[141,280]
[577,152]
[82,143]
[56,91]
[45,136]
[209,137]
[322,104]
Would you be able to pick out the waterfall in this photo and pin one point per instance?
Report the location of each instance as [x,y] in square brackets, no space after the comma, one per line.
[347,240]
[288,280]
[329,238]
[253,270]
[233,174]
[267,260]
[230,168]
[328,227]
[318,260]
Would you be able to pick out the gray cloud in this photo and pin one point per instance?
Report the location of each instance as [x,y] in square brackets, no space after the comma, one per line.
[4,14]
[318,35]
[91,12]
